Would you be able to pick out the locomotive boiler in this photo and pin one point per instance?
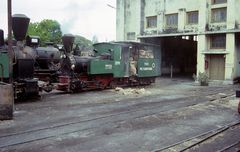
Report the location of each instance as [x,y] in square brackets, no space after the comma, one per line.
[47,60]
[74,64]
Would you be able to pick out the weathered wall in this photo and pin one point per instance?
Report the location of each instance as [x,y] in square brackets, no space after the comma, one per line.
[237,12]
[128,18]
[136,12]
[120,21]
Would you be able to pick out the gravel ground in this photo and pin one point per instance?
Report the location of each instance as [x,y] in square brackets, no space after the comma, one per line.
[143,119]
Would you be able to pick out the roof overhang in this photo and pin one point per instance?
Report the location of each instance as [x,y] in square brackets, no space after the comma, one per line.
[188,34]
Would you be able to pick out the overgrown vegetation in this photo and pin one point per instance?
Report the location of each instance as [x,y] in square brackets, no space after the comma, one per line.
[50,31]
[47,30]
[202,78]
[83,43]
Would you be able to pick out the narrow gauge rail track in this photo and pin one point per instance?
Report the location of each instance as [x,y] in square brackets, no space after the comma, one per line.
[207,135]
[201,93]
[150,110]
[230,146]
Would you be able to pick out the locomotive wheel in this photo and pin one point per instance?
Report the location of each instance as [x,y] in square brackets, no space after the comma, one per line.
[112,85]
[102,86]
[72,87]
[48,89]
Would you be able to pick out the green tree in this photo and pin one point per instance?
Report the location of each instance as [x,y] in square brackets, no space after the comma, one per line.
[83,43]
[48,31]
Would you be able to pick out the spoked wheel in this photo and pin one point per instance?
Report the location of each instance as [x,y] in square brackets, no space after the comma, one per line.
[112,85]
[102,86]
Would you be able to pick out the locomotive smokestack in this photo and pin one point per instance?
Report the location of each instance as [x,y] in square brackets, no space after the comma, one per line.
[1,37]
[20,26]
[68,40]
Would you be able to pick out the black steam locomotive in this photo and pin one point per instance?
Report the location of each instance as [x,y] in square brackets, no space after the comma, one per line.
[31,63]
[24,59]
[46,61]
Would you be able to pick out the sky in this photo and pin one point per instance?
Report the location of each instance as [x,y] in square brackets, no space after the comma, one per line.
[79,17]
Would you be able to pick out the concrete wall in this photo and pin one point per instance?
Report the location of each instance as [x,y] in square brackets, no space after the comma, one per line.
[230,48]
[128,18]
[136,12]
[237,11]
[131,14]
[120,23]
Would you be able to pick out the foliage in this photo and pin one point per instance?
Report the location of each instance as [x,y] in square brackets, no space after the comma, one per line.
[202,78]
[48,31]
[83,43]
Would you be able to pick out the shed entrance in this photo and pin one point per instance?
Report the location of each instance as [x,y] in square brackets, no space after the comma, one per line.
[178,55]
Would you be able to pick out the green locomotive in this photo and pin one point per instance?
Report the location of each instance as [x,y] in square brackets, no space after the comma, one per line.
[109,65]
[135,63]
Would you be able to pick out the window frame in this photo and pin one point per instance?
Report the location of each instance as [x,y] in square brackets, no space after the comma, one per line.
[192,13]
[131,35]
[214,2]
[218,10]
[171,25]
[218,45]
[152,24]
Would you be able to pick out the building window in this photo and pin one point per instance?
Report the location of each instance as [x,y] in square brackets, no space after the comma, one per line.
[172,20]
[218,41]
[192,17]
[152,22]
[219,15]
[131,36]
[219,1]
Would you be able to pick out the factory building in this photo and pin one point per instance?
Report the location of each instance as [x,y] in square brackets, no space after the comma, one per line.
[194,35]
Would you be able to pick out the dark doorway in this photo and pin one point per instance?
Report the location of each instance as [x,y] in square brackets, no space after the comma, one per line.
[179,56]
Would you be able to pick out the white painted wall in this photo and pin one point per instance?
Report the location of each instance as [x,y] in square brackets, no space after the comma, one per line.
[131,22]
